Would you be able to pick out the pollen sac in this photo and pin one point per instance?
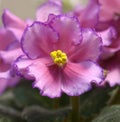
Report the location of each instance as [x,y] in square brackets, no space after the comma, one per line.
[59,57]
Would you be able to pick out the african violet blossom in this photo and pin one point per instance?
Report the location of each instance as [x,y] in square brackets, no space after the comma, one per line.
[60,57]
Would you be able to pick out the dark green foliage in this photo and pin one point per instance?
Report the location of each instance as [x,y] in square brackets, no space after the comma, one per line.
[25,95]
[109,114]
[93,101]
[25,104]
[37,113]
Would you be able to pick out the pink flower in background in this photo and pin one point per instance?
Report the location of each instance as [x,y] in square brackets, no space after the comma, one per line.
[112,66]
[103,16]
[60,57]
[48,9]
[110,56]
[109,9]
[88,15]
[8,42]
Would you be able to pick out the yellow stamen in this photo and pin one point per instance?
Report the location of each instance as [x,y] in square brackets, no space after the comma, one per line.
[105,72]
[59,57]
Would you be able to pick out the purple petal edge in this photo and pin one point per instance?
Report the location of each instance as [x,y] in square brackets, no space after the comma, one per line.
[22,39]
[71,17]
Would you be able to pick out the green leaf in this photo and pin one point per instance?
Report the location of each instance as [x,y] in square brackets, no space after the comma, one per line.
[39,114]
[109,114]
[93,101]
[4,118]
[25,95]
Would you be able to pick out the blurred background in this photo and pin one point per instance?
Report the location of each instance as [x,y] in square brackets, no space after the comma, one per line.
[22,8]
[27,8]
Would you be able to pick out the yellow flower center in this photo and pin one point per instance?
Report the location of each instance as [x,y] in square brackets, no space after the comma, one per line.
[59,57]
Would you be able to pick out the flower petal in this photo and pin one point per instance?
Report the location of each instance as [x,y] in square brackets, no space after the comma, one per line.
[4,67]
[15,24]
[38,40]
[69,31]
[22,63]
[47,79]
[113,77]
[88,16]
[89,49]
[10,56]
[46,9]
[6,38]
[107,36]
[7,80]
[109,9]
[78,77]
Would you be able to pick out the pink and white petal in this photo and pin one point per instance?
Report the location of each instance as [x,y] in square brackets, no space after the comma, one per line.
[69,31]
[46,9]
[88,16]
[89,49]
[21,65]
[6,38]
[47,78]
[78,77]
[15,24]
[10,56]
[107,36]
[113,77]
[39,40]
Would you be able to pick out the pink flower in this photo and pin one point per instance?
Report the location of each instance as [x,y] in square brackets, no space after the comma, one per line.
[8,54]
[110,56]
[88,15]
[60,57]
[10,37]
[112,67]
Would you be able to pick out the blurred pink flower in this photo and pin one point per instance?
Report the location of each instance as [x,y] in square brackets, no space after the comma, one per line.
[112,67]
[109,9]
[89,15]
[8,53]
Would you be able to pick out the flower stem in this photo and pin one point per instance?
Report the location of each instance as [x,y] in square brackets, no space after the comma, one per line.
[56,103]
[75,108]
